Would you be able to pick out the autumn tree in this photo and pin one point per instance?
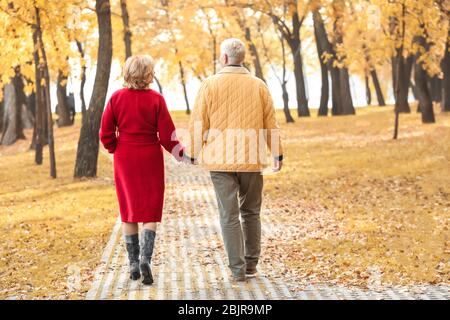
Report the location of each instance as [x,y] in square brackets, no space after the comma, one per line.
[27,15]
[15,114]
[244,20]
[289,16]
[14,100]
[362,48]
[271,58]
[88,143]
[322,45]
[341,96]
[126,28]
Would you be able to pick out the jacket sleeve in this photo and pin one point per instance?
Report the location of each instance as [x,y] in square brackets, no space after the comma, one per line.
[198,123]
[167,132]
[273,137]
[108,128]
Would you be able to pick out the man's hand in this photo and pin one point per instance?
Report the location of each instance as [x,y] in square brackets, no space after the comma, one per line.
[277,165]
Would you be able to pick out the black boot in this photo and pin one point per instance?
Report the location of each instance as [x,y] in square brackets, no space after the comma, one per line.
[148,242]
[132,244]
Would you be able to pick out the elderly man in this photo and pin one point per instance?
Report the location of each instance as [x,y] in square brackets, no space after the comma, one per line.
[232,122]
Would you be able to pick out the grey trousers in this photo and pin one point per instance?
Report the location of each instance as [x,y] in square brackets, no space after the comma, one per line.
[240,193]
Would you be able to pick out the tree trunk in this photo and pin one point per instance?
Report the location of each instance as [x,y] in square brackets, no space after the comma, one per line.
[396,124]
[404,66]
[293,39]
[71,102]
[287,112]
[302,101]
[336,102]
[415,95]
[160,89]
[126,28]
[27,116]
[62,108]
[325,89]
[240,19]
[10,123]
[378,91]
[368,93]
[1,115]
[31,103]
[423,94]
[340,86]
[394,61]
[40,124]
[83,79]
[88,143]
[445,102]
[183,84]
[46,92]
[24,117]
[255,55]
[401,79]
[27,109]
[12,120]
[283,82]
[31,106]
[435,88]
[421,80]
[345,93]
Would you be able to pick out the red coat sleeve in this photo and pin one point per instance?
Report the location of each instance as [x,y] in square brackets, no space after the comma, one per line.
[108,129]
[167,131]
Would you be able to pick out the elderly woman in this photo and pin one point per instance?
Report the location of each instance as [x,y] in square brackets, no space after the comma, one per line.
[135,124]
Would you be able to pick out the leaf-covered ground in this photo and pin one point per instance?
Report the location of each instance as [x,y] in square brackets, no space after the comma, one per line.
[355,207]
[351,206]
[52,232]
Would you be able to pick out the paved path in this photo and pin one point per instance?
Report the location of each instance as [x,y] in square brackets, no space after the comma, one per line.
[190,263]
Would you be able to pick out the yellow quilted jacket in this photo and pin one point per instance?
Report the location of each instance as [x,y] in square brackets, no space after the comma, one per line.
[232,123]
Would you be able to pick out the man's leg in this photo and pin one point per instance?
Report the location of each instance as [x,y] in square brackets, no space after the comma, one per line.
[226,187]
[250,199]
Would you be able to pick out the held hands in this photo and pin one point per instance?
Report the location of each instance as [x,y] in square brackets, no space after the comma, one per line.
[179,154]
[187,160]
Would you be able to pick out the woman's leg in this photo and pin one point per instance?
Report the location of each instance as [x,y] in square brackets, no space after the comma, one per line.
[148,243]
[150,226]
[129,228]
[131,236]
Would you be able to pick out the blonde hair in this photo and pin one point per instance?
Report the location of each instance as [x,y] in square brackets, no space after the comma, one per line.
[138,72]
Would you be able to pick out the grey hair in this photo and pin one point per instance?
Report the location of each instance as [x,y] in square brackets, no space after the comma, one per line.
[234,49]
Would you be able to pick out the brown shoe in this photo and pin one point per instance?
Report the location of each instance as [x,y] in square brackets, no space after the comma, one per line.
[251,271]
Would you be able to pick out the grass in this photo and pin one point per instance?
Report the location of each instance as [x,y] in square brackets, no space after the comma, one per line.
[354,207]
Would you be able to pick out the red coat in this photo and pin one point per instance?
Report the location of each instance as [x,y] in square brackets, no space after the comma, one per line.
[135,124]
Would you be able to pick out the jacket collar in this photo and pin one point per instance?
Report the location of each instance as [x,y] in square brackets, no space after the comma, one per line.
[233,69]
